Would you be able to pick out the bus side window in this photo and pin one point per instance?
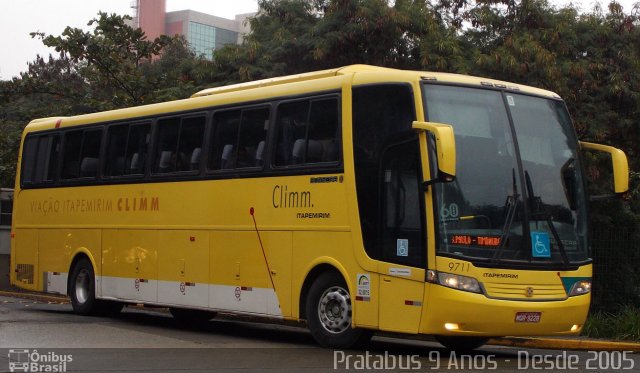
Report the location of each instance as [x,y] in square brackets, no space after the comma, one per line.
[308,132]
[81,153]
[40,159]
[71,155]
[253,135]
[291,129]
[29,150]
[322,144]
[53,151]
[167,144]
[190,143]
[137,147]
[225,137]
[116,146]
[90,155]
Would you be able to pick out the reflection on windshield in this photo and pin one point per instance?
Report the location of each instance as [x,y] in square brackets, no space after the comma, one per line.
[489,212]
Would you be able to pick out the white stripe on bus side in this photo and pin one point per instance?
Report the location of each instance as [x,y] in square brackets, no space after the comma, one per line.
[55,282]
[243,299]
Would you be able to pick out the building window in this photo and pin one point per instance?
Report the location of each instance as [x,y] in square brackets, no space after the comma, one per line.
[6,208]
[204,39]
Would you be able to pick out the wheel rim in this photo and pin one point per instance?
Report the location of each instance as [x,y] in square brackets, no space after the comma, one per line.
[334,310]
[82,286]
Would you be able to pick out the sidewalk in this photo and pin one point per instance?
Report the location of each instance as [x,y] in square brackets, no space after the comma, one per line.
[551,343]
[566,343]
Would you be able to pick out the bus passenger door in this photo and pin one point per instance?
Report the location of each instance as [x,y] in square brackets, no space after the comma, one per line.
[401,238]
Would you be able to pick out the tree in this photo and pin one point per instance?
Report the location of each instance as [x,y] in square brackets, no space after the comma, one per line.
[295,36]
[111,56]
[111,67]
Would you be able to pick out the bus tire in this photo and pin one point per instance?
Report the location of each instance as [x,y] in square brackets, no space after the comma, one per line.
[191,317]
[82,288]
[456,343]
[329,313]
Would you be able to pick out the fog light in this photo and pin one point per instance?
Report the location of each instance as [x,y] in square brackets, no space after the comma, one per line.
[575,328]
[451,326]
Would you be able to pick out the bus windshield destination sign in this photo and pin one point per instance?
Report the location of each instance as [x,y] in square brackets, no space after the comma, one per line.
[469,240]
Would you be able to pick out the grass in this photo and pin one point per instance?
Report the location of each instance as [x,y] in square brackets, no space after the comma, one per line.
[623,324]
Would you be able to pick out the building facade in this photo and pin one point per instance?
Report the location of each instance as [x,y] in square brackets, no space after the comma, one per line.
[6,208]
[204,32]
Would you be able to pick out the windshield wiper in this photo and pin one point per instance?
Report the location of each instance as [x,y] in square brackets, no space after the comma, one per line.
[535,205]
[512,206]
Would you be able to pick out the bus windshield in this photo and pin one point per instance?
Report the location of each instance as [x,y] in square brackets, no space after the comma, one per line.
[518,197]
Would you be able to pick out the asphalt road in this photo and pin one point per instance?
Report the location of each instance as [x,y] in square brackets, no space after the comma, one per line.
[49,337]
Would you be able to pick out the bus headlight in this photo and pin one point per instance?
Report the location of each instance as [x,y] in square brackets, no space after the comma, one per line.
[580,287]
[455,281]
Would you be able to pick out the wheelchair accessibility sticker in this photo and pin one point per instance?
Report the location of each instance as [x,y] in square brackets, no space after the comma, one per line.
[540,246]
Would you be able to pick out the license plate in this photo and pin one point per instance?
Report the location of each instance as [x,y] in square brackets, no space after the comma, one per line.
[528,316]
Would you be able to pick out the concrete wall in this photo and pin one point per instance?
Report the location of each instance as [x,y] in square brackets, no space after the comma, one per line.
[4,271]
[5,250]
[5,241]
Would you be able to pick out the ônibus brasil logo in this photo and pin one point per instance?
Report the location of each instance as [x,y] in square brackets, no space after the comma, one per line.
[25,360]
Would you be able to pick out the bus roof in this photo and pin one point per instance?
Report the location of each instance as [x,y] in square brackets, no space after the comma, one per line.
[362,70]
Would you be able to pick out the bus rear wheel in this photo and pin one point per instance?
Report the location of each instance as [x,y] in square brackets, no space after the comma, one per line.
[83,293]
[82,288]
[329,313]
[456,343]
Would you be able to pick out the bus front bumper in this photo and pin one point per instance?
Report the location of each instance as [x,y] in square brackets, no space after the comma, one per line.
[455,312]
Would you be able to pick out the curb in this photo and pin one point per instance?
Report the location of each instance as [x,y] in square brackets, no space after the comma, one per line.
[580,344]
[38,297]
[566,344]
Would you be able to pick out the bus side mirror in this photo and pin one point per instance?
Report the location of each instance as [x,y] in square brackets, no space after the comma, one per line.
[445,148]
[619,162]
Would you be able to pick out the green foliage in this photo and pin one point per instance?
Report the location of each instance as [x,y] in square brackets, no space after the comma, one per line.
[623,324]
[110,57]
[111,67]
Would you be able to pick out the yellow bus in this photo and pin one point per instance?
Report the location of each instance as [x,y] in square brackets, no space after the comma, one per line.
[358,199]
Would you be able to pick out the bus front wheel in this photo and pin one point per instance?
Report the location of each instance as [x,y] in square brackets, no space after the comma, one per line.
[329,313]
[461,343]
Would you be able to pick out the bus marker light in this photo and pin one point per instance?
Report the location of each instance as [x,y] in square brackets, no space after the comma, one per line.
[192,239]
[575,328]
[451,326]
